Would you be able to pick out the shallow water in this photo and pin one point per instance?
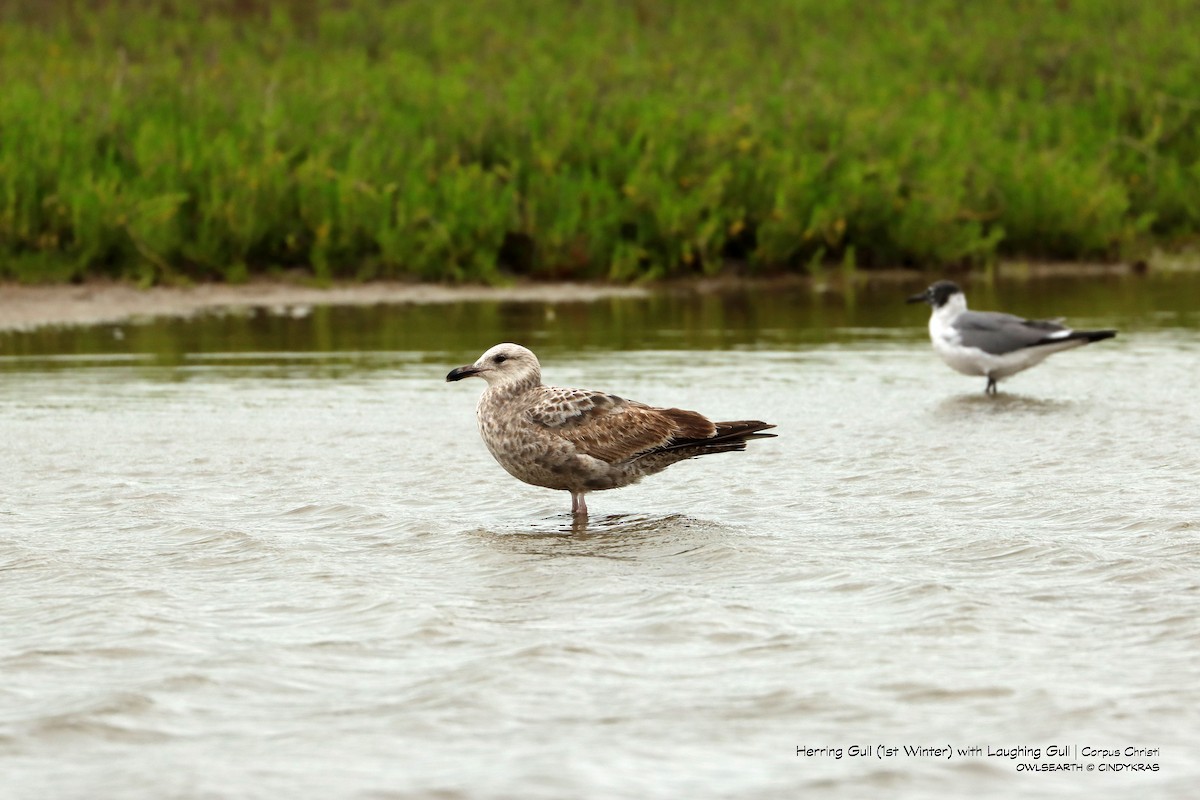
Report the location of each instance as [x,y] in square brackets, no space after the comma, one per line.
[267,555]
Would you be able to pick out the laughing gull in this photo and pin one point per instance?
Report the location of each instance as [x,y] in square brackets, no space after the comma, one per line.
[581,441]
[989,343]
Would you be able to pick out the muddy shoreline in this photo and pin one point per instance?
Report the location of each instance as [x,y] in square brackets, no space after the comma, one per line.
[95,303]
[25,307]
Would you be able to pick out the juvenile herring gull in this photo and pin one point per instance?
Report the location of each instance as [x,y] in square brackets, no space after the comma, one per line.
[992,344]
[582,441]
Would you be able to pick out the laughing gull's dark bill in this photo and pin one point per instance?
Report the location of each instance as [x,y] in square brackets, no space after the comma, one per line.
[989,343]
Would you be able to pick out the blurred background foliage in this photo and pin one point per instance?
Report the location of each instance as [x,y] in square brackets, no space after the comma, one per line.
[477,140]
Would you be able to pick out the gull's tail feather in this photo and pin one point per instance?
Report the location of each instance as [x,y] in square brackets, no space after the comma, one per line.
[744,430]
[728,437]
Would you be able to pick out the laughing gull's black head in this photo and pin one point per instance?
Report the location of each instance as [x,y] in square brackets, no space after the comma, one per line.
[937,295]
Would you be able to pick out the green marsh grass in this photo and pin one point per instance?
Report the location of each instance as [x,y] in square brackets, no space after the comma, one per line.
[474,140]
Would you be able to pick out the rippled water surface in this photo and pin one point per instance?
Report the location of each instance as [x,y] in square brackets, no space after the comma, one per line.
[267,555]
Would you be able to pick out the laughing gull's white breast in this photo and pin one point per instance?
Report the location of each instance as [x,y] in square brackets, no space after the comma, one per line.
[992,344]
[581,441]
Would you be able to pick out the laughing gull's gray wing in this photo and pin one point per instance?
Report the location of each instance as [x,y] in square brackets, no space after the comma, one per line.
[997,333]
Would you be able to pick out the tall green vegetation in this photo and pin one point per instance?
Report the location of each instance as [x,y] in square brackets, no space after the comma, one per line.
[472,139]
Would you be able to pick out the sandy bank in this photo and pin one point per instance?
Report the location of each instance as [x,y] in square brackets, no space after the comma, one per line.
[26,307]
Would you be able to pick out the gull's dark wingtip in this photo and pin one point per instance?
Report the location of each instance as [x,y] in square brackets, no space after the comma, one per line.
[743,429]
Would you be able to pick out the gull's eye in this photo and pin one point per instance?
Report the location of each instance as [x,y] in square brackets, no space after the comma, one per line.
[499,359]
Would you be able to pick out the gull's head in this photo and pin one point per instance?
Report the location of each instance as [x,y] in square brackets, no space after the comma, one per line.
[941,293]
[504,364]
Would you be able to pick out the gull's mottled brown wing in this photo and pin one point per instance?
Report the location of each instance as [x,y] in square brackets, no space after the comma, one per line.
[611,428]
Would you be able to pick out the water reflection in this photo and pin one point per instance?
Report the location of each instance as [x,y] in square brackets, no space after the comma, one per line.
[616,536]
[966,406]
[782,316]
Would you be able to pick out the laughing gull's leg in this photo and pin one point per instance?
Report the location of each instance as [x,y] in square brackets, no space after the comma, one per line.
[991,387]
